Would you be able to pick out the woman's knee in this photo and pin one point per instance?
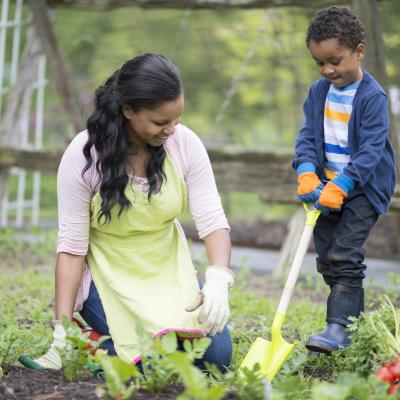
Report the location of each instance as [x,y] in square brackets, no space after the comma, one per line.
[219,352]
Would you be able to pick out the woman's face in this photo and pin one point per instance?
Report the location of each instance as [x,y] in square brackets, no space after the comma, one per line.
[153,126]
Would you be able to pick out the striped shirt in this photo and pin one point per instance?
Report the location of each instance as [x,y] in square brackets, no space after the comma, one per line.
[337,113]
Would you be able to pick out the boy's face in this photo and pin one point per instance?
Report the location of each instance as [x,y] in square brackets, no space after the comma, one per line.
[337,63]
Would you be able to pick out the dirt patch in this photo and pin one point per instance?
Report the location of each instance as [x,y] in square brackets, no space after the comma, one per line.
[322,374]
[22,384]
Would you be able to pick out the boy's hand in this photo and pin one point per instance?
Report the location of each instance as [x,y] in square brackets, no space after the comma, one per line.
[309,185]
[333,194]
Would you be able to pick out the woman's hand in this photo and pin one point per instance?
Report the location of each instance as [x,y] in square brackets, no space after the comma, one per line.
[214,300]
[52,359]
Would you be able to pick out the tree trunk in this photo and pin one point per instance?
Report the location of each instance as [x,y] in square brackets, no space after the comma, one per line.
[368,12]
[69,96]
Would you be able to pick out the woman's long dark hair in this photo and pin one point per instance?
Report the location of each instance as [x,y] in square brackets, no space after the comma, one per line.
[144,82]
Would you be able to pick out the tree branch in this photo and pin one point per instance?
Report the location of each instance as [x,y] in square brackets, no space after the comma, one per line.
[102,5]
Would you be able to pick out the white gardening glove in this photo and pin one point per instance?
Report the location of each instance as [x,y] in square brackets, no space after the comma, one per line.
[214,299]
[52,359]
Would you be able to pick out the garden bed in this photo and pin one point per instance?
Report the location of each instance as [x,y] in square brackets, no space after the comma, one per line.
[25,329]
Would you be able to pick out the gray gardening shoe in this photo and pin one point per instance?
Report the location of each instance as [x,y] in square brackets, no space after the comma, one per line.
[334,337]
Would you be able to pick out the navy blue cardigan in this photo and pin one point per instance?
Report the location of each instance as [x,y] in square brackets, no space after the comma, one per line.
[372,161]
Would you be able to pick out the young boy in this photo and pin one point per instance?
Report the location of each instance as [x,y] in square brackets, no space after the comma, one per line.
[344,163]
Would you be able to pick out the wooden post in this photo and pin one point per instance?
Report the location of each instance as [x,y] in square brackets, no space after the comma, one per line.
[290,244]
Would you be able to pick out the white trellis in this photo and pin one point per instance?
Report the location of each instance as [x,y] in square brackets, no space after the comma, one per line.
[26,129]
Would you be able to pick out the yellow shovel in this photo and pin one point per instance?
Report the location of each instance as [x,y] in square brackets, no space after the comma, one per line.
[271,355]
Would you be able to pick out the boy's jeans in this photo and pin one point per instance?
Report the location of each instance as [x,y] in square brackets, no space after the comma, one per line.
[338,239]
[219,352]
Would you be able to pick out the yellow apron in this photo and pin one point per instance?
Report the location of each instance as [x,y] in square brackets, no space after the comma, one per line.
[141,265]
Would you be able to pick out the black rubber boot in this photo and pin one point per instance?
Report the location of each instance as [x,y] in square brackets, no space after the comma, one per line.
[344,302]
[334,337]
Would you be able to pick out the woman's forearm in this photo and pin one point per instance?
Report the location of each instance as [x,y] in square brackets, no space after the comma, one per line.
[218,248]
[69,269]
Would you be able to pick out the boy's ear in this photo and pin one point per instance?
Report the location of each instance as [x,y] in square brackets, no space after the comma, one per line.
[360,50]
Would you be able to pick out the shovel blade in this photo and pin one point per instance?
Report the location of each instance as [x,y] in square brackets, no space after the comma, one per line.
[256,354]
[269,355]
[279,352]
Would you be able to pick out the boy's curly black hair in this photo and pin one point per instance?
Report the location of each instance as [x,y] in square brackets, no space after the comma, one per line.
[336,23]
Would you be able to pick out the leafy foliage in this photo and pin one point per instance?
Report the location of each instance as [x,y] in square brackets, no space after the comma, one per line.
[250,384]
[24,329]
[262,51]
[117,372]
[351,386]
[78,353]
[375,339]
[196,384]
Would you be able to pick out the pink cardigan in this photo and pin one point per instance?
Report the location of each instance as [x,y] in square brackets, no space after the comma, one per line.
[75,194]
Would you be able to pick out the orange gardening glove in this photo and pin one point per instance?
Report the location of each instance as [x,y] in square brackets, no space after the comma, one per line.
[332,196]
[307,183]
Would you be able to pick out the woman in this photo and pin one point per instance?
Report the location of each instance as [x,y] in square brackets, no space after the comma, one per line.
[123,259]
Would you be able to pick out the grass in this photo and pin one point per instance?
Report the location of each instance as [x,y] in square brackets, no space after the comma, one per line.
[27,291]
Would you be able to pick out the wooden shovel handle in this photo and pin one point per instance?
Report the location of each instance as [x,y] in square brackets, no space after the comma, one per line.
[311,219]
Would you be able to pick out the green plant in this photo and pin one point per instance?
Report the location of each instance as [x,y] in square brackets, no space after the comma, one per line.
[117,372]
[251,386]
[160,365]
[375,339]
[158,372]
[351,386]
[292,387]
[7,343]
[78,352]
[195,349]
[196,385]
[389,332]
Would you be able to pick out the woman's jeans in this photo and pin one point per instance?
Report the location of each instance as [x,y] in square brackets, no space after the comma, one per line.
[219,352]
[339,239]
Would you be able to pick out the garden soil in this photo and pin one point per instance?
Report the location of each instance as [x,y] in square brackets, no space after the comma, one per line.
[24,384]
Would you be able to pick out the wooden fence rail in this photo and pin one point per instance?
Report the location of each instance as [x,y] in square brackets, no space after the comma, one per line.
[266,173]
